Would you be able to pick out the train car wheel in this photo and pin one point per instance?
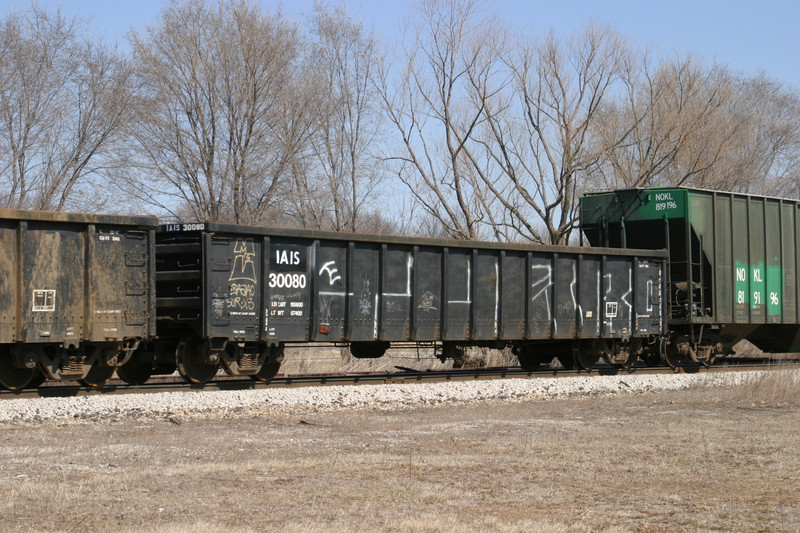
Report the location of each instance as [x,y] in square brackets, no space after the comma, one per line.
[135,371]
[585,355]
[194,363]
[268,371]
[12,377]
[652,359]
[98,375]
[672,356]
[37,380]
[271,365]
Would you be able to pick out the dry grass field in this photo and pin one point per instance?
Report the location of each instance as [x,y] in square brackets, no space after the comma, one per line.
[703,460]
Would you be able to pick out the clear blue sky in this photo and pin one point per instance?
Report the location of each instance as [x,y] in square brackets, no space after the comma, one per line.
[747,35]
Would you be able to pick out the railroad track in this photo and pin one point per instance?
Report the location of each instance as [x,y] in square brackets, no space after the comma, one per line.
[403,375]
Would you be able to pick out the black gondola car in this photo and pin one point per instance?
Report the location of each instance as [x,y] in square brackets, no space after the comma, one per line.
[237,295]
[76,294]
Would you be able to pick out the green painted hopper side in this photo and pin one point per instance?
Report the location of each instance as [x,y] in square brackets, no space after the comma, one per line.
[738,252]
[634,205]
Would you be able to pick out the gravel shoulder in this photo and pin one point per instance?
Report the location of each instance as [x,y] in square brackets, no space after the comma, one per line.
[116,407]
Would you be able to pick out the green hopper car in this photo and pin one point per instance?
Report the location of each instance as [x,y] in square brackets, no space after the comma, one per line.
[732,263]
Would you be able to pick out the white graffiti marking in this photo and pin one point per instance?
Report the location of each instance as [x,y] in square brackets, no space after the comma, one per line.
[428,302]
[543,284]
[409,273]
[496,299]
[609,324]
[597,284]
[628,293]
[330,268]
[365,300]
[468,301]
[244,269]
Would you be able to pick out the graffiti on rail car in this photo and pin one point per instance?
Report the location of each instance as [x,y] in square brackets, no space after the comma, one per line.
[243,282]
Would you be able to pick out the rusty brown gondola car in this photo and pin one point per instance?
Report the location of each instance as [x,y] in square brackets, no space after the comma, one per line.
[76,294]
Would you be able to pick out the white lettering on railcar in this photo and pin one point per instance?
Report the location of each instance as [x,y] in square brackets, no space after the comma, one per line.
[287,280]
[185,227]
[287,257]
[665,201]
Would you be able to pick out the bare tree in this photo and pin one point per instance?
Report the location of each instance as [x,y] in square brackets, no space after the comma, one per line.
[673,119]
[218,123]
[694,125]
[63,101]
[766,147]
[539,140]
[431,105]
[497,134]
[338,175]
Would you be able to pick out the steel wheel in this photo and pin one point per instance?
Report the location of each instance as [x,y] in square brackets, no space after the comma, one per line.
[11,377]
[37,380]
[672,357]
[135,371]
[652,359]
[585,355]
[271,365]
[691,368]
[268,371]
[98,375]
[193,361]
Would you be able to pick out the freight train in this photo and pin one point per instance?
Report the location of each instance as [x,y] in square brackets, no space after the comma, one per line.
[675,275]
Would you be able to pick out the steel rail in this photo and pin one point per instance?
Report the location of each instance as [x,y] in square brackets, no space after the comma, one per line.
[226,383]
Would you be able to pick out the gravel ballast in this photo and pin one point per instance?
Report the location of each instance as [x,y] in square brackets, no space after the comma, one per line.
[394,396]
